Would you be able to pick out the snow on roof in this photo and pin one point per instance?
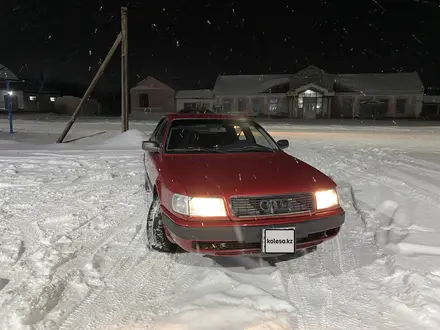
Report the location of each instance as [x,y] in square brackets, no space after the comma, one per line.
[150,83]
[248,84]
[195,94]
[6,74]
[378,82]
[431,99]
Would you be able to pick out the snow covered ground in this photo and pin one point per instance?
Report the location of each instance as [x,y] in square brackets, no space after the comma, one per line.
[72,239]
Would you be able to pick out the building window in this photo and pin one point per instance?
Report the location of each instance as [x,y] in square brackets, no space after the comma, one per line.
[383,108]
[347,106]
[189,105]
[227,105]
[400,105]
[144,101]
[273,105]
[32,98]
[242,105]
[365,107]
[256,106]
[207,106]
[53,99]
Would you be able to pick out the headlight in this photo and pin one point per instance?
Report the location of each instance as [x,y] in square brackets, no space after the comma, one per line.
[326,199]
[199,206]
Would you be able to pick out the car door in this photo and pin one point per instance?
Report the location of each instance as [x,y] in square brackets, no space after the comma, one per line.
[152,159]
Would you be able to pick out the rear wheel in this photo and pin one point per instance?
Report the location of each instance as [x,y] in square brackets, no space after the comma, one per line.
[157,239]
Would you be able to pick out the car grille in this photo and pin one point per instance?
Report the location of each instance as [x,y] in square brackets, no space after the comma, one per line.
[225,246]
[272,205]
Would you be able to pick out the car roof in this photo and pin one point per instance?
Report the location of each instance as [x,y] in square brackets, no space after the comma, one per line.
[195,110]
[205,116]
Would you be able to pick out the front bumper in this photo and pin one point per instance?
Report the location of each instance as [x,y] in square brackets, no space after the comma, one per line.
[245,238]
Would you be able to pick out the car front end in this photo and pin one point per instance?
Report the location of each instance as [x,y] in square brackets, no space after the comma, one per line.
[247,225]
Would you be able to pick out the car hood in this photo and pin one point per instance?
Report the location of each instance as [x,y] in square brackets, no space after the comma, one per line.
[243,174]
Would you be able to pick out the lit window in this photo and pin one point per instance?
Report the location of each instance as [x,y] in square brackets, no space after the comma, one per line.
[273,105]
[319,102]
[32,98]
[52,99]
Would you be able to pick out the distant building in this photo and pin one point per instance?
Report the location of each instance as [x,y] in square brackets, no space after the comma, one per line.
[314,93]
[15,92]
[39,98]
[152,96]
[252,94]
[198,98]
[310,93]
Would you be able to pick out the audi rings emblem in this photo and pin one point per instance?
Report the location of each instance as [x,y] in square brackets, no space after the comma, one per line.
[273,205]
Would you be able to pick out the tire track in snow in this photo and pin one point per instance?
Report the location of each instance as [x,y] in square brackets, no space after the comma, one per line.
[122,282]
[399,182]
[336,286]
[31,277]
[169,283]
[65,188]
[94,293]
[61,271]
[152,282]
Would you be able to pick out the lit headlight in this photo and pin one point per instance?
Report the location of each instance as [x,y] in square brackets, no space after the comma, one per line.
[199,206]
[326,199]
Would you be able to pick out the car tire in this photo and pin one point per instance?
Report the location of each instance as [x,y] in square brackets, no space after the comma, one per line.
[157,239]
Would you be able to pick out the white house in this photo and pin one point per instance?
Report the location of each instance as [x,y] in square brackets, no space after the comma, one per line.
[151,96]
[314,93]
[198,98]
[15,90]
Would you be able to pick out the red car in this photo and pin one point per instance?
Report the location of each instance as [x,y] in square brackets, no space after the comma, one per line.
[221,185]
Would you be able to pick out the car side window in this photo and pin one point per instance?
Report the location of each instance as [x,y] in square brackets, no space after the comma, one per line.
[161,132]
[156,130]
[259,138]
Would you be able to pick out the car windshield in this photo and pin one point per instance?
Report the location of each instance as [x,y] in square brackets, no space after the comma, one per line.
[218,136]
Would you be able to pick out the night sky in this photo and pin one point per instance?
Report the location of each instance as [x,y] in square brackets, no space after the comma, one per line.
[188,43]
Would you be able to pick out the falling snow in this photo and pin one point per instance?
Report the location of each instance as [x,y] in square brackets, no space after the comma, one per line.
[377,36]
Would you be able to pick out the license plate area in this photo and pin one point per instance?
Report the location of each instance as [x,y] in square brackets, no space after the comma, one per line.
[278,241]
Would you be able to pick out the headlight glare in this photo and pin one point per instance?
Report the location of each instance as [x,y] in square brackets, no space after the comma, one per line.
[326,199]
[207,207]
[199,206]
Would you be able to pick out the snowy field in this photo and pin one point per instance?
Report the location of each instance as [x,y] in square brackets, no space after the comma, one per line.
[73,248]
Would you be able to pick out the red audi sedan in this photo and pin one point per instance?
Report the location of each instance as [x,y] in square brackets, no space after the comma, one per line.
[221,185]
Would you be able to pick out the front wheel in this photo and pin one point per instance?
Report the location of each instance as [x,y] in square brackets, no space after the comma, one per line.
[157,239]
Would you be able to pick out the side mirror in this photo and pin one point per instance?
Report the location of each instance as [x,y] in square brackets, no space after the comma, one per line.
[150,146]
[283,144]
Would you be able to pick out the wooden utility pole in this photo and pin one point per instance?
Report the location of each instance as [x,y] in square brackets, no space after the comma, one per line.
[125,97]
[9,106]
[91,87]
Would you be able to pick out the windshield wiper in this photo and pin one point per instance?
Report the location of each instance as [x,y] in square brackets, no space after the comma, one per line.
[254,147]
[200,149]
